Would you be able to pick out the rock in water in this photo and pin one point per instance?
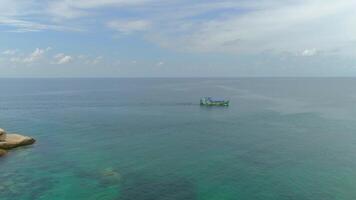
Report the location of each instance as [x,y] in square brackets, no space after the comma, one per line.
[2,135]
[15,140]
[2,152]
[110,172]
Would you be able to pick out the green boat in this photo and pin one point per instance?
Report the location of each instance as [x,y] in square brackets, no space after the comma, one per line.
[208,101]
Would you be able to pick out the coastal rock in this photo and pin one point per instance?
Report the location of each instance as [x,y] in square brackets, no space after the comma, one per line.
[15,140]
[2,152]
[2,135]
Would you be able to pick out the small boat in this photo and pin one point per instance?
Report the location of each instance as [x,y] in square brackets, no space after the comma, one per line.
[208,101]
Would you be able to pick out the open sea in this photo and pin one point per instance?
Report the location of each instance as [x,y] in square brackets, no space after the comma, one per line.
[149,139]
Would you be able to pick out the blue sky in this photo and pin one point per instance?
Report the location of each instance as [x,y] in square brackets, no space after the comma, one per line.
[177,38]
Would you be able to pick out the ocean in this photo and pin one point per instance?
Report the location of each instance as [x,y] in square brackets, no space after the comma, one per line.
[149,139]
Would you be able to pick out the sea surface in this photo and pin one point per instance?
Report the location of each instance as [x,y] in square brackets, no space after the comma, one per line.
[149,139]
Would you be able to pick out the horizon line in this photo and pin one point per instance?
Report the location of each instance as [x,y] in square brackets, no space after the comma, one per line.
[169,77]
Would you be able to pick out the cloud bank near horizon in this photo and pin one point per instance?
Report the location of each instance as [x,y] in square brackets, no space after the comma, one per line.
[296,30]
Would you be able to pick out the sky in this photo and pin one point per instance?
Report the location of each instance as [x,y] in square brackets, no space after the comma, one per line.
[177,38]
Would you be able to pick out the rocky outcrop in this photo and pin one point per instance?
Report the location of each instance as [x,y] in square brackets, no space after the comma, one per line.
[16,140]
[2,134]
[2,152]
[10,141]
[2,138]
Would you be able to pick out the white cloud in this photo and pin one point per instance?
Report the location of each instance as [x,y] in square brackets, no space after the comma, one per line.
[78,8]
[160,63]
[309,52]
[16,8]
[82,57]
[90,60]
[17,57]
[97,60]
[10,52]
[204,26]
[277,26]
[29,26]
[62,59]
[44,56]
[36,55]
[129,26]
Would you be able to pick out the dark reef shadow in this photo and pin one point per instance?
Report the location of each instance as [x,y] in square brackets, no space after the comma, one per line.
[139,187]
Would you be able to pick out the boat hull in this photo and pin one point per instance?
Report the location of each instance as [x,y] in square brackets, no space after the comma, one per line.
[210,102]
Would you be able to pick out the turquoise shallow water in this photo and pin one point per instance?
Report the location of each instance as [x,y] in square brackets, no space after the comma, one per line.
[148,139]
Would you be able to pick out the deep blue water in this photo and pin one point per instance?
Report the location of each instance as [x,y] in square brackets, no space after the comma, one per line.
[148,139]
